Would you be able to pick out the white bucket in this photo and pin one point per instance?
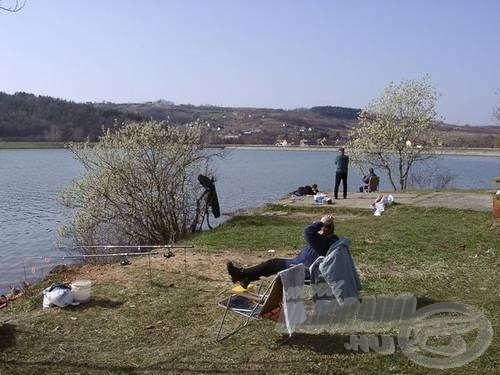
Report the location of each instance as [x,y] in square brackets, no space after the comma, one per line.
[81,290]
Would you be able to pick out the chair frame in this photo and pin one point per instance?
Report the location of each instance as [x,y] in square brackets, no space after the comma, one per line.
[264,301]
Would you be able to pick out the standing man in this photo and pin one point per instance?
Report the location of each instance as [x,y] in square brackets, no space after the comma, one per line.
[342,163]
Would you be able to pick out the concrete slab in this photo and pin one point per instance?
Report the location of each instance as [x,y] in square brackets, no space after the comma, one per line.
[479,201]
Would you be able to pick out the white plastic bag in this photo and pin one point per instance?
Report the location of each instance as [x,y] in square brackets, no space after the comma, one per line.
[319,198]
[57,296]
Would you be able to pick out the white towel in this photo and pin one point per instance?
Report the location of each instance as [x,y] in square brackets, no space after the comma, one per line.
[293,296]
[386,201]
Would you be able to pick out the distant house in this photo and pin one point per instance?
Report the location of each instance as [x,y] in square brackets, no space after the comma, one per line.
[252,131]
[282,142]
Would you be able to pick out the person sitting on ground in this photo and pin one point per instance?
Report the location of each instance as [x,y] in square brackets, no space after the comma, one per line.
[366,180]
[319,237]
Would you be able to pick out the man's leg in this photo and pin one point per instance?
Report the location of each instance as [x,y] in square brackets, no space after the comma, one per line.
[268,268]
[245,275]
[337,183]
[344,184]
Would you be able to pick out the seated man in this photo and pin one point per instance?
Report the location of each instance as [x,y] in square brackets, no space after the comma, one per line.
[366,180]
[319,237]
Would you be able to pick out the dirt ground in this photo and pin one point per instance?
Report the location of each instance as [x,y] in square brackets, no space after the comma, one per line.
[480,201]
[208,266]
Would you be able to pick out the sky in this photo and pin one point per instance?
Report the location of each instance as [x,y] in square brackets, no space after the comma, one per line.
[275,54]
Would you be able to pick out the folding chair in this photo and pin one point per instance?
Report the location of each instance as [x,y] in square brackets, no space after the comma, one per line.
[372,184]
[251,306]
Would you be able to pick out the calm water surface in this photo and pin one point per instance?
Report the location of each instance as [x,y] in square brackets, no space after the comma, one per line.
[30,181]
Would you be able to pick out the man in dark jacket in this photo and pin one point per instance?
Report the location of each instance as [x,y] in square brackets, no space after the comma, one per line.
[342,163]
[319,237]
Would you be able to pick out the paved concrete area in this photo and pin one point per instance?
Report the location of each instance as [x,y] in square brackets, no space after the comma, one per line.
[480,201]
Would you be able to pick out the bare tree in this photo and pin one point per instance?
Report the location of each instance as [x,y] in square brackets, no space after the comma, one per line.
[431,177]
[15,6]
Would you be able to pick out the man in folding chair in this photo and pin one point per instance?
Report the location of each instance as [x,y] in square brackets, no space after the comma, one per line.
[319,236]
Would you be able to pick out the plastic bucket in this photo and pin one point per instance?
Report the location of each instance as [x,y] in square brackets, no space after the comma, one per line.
[81,290]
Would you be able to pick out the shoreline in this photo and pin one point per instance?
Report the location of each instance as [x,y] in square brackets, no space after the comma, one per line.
[493,152]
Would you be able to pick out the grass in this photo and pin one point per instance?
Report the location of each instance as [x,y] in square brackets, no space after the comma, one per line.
[318,210]
[167,324]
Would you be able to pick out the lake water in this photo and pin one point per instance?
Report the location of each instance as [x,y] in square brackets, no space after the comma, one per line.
[30,181]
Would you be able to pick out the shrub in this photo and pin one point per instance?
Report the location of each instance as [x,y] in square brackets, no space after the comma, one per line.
[139,186]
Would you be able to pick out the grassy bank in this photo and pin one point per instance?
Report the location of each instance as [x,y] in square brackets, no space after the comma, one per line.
[26,145]
[134,324]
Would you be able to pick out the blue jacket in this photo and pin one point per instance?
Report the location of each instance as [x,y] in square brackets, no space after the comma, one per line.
[337,270]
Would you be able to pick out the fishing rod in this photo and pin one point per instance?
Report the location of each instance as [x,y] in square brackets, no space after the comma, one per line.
[91,255]
[168,254]
[126,246]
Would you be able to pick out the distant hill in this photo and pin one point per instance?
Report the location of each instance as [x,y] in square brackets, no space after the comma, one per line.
[224,125]
[328,125]
[27,117]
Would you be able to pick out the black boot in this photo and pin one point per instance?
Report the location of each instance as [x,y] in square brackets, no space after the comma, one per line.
[237,275]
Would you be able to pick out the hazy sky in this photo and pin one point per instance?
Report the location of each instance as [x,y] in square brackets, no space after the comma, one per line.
[281,54]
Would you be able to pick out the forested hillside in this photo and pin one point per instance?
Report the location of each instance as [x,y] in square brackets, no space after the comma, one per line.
[28,117]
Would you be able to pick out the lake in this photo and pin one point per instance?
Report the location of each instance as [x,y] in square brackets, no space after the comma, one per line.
[30,181]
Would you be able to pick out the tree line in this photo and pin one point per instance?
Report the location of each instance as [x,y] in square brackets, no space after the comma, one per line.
[30,117]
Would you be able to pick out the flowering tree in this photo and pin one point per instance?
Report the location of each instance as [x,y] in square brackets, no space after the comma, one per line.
[139,186]
[396,130]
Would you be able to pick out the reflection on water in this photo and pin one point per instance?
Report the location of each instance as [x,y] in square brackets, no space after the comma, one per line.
[30,181]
